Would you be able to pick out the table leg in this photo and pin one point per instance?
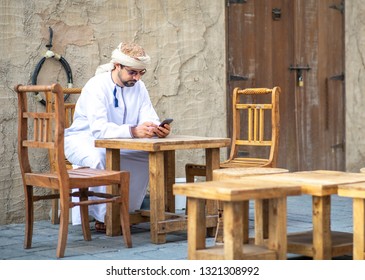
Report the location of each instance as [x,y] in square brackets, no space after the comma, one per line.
[212,162]
[169,160]
[157,195]
[277,227]
[322,241]
[259,222]
[112,220]
[359,228]
[196,226]
[233,230]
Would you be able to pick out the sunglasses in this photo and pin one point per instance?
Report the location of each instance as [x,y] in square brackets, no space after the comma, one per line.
[134,72]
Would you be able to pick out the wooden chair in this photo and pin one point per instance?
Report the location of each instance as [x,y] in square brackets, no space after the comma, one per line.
[250,146]
[255,138]
[33,132]
[69,114]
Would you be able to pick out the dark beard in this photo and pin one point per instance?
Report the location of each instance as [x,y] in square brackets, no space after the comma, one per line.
[129,83]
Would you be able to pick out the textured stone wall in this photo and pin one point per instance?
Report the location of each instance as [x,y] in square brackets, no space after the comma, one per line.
[355,84]
[186,80]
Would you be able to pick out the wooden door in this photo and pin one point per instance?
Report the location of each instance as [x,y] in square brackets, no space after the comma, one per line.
[299,46]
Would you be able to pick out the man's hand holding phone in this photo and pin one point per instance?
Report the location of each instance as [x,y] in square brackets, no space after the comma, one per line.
[164,128]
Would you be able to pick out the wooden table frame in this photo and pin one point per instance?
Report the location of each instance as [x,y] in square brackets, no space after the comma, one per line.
[162,177]
[321,243]
[356,191]
[234,194]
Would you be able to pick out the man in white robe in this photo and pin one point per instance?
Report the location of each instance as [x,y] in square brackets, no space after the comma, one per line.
[114,104]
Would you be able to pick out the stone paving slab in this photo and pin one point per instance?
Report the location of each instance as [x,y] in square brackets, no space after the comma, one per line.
[103,247]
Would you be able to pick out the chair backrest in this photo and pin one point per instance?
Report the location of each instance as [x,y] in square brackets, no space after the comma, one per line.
[40,129]
[255,125]
[69,109]
[69,105]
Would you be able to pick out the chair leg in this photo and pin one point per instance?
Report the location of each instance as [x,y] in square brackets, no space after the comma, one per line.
[29,216]
[84,213]
[189,173]
[54,213]
[124,209]
[64,218]
[190,176]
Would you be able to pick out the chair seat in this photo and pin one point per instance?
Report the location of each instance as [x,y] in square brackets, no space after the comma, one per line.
[78,178]
[246,162]
[236,163]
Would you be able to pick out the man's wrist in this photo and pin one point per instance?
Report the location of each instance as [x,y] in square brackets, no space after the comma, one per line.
[132,130]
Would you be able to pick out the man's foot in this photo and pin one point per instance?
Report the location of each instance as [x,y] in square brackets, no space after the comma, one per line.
[100,227]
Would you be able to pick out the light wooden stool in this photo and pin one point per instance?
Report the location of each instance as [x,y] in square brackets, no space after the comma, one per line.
[234,194]
[357,192]
[261,206]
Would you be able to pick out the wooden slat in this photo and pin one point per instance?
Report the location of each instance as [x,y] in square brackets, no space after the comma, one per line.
[37,144]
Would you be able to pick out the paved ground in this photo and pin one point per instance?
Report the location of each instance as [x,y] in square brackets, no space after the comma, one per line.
[112,248]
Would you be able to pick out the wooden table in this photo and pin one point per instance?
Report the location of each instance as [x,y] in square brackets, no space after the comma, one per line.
[162,177]
[320,243]
[260,205]
[234,194]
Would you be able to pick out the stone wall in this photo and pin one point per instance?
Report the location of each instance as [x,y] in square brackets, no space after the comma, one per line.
[186,80]
[355,84]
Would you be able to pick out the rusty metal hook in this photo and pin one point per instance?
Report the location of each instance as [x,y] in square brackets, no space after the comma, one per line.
[49,45]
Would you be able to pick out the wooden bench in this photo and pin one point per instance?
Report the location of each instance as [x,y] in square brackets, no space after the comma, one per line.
[234,194]
[357,193]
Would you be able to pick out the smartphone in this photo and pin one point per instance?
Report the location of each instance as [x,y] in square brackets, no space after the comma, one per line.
[167,121]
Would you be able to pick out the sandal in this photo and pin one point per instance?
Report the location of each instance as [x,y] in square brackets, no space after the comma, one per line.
[100,227]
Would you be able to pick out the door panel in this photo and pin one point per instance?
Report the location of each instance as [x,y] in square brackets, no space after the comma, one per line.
[266,39]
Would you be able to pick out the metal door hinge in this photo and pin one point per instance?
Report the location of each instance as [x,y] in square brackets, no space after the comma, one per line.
[236,2]
[338,146]
[340,7]
[237,78]
[340,77]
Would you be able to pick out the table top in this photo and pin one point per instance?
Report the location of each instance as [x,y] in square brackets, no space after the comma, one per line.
[172,142]
[317,182]
[237,172]
[237,190]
